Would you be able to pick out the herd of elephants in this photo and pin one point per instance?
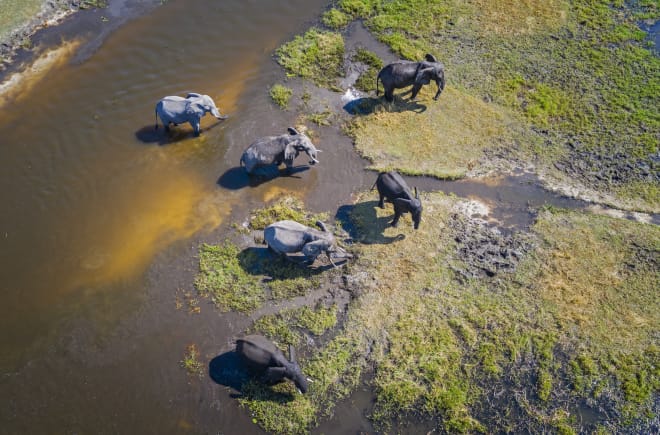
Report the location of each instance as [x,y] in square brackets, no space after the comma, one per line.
[263,157]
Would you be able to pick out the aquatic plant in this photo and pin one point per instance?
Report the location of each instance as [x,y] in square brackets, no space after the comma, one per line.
[281,95]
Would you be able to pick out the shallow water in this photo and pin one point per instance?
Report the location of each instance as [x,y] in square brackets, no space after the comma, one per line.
[101,216]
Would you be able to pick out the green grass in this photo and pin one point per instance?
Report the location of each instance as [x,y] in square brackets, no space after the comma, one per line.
[223,279]
[446,139]
[242,279]
[281,95]
[508,353]
[578,75]
[317,56]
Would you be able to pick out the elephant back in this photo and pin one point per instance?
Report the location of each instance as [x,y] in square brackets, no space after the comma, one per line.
[286,236]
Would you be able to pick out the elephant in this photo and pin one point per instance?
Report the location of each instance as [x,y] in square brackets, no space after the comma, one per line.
[405,73]
[275,150]
[285,237]
[262,357]
[393,188]
[176,110]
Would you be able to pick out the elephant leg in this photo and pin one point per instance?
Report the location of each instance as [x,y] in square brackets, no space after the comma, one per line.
[274,375]
[195,126]
[389,94]
[395,221]
[167,127]
[441,87]
[415,90]
[381,202]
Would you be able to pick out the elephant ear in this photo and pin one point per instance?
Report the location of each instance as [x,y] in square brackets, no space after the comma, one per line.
[424,75]
[430,58]
[292,131]
[193,95]
[196,108]
[401,203]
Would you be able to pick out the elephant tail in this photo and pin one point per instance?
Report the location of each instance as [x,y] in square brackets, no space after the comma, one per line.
[156,113]
[242,162]
[377,78]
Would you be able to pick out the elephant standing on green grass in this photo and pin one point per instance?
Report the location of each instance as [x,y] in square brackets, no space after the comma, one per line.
[405,73]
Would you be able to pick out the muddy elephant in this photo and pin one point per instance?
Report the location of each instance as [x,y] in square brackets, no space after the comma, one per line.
[287,237]
[263,358]
[393,188]
[272,151]
[405,73]
[177,110]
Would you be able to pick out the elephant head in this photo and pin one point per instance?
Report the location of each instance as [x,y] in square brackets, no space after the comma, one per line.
[300,142]
[203,104]
[431,69]
[294,372]
[414,206]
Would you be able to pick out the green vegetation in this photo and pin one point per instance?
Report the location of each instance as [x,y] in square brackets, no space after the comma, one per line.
[191,361]
[444,139]
[281,95]
[317,56]
[568,86]
[287,326]
[242,280]
[367,79]
[518,347]
[576,80]
[335,19]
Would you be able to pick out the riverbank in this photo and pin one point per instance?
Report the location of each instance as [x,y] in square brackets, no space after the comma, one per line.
[19,21]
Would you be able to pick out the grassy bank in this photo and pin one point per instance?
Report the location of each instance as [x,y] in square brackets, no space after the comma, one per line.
[457,326]
[522,348]
[572,87]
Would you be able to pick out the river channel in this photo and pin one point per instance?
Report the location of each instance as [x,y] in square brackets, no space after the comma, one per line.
[101,217]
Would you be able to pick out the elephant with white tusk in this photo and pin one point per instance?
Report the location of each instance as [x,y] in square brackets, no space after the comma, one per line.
[177,110]
[287,237]
[404,73]
[275,150]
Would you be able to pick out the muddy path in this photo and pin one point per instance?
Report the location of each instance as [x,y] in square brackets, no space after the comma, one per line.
[103,217]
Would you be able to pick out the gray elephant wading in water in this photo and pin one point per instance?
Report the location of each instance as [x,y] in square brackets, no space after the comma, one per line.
[404,73]
[177,110]
[275,150]
[286,237]
[263,358]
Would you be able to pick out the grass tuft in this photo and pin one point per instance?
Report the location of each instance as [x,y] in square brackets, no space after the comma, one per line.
[281,95]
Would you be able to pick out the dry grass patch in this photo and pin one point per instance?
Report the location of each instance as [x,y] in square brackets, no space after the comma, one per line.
[602,276]
[446,140]
[516,17]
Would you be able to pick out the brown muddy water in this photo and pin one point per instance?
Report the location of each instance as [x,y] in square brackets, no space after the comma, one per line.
[101,217]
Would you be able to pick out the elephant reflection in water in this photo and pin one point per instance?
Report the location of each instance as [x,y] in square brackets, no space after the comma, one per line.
[177,110]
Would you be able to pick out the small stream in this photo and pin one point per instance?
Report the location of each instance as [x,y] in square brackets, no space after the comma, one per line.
[101,216]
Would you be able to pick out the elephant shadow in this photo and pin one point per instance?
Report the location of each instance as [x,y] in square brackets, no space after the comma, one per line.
[362,223]
[368,105]
[228,369]
[237,178]
[264,261]
[150,135]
